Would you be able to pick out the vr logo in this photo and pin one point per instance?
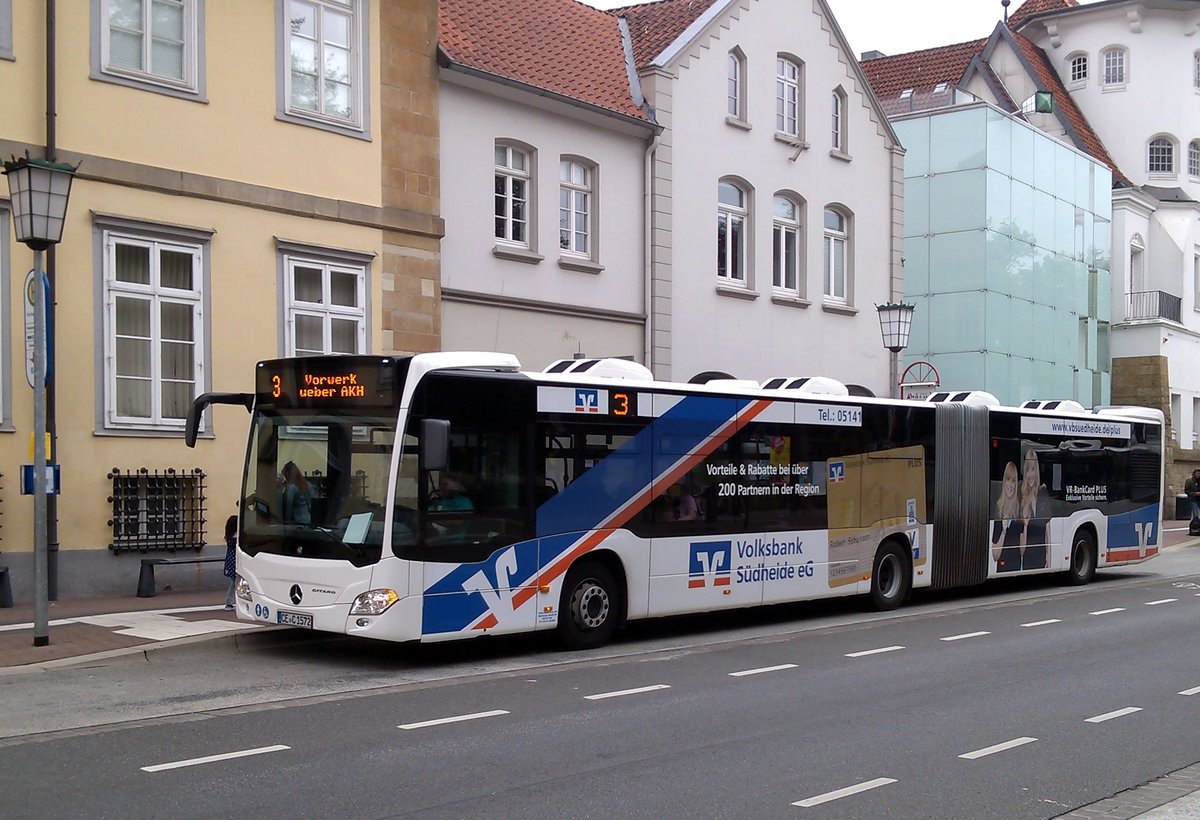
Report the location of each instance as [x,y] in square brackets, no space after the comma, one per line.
[837,472]
[710,559]
[587,401]
[1145,533]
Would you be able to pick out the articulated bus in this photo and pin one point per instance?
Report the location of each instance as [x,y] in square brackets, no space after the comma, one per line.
[449,495]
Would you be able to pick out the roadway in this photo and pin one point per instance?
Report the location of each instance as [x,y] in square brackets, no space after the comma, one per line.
[1017,700]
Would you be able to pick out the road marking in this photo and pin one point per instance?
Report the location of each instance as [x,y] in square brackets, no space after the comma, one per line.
[999,747]
[1045,622]
[1108,611]
[745,672]
[456,719]
[964,635]
[1128,710]
[196,761]
[846,792]
[864,653]
[1195,690]
[1163,601]
[624,692]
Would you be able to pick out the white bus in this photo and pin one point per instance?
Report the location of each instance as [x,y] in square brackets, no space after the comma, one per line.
[449,495]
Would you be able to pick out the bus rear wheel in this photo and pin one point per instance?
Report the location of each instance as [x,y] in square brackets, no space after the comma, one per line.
[891,578]
[1083,559]
[589,607]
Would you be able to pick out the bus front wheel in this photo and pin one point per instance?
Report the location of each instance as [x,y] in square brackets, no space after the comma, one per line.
[891,577]
[1083,559]
[589,608]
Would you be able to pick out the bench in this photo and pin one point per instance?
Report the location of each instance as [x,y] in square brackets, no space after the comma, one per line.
[145,587]
[6,599]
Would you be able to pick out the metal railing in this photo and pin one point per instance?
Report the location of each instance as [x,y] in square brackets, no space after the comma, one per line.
[1152,304]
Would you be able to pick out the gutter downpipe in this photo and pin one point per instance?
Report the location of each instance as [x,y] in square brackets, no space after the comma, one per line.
[648,251]
[51,258]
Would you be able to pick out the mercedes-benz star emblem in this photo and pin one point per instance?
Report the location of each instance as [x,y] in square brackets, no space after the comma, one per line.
[295,594]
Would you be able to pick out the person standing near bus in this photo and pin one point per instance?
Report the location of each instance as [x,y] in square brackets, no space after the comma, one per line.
[297,498]
[230,568]
[1192,488]
[1008,531]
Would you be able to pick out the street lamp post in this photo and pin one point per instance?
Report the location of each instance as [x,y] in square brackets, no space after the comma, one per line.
[39,190]
[895,321]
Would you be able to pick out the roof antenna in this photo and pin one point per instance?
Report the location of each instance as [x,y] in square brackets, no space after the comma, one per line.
[1005,3]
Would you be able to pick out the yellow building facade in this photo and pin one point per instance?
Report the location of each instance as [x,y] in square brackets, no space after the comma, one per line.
[255,180]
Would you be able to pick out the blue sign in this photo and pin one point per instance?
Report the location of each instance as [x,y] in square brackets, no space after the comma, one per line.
[52,479]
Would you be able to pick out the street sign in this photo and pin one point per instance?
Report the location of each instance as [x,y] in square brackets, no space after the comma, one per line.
[52,479]
[30,297]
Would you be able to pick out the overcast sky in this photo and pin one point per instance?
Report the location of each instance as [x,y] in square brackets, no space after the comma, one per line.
[897,26]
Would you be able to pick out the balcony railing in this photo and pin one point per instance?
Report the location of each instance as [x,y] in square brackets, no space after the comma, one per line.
[1152,304]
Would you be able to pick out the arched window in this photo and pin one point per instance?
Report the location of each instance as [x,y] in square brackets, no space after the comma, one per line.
[1077,69]
[837,255]
[512,206]
[1115,68]
[732,210]
[1161,156]
[735,90]
[786,245]
[839,130]
[1196,71]
[576,208]
[789,102]
[1194,158]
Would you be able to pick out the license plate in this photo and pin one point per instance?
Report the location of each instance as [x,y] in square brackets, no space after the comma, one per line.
[300,619]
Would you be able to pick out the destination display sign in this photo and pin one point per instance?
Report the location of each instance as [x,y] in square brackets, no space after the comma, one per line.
[342,381]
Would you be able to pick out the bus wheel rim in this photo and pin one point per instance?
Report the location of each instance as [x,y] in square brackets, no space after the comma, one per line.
[591,605]
[889,576]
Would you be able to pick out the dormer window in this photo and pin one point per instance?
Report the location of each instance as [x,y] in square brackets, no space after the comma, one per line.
[906,94]
[940,88]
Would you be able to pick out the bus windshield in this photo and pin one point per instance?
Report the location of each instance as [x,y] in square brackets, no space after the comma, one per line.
[316,483]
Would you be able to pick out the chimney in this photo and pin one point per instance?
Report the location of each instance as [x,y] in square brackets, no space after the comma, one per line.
[871,55]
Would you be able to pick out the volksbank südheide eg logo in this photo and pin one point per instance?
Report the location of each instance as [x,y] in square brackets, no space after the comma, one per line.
[710,564]
[837,472]
[587,401]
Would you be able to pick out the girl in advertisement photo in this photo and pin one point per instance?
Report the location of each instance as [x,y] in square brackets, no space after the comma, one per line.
[1034,502]
[1008,530]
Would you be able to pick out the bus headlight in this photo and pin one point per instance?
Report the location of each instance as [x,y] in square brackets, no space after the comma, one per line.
[241,588]
[374,602]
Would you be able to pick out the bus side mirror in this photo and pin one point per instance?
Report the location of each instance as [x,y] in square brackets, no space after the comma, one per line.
[435,444]
[196,411]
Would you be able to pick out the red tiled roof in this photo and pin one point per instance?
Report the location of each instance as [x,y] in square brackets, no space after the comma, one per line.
[919,70]
[1049,80]
[1032,7]
[558,45]
[654,26]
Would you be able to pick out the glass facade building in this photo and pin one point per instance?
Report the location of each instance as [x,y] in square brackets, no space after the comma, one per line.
[1006,245]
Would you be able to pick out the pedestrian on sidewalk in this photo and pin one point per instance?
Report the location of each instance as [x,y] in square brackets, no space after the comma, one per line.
[1192,488]
[230,558]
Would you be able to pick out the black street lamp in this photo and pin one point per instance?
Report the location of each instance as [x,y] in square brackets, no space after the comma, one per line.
[39,190]
[895,322]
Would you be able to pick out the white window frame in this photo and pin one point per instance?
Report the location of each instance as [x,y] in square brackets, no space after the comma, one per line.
[573,190]
[832,240]
[190,86]
[6,31]
[1116,67]
[789,94]
[1078,68]
[156,295]
[325,309]
[1196,71]
[510,175]
[729,215]
[1193,158]
[1158,161]
[783,228]
[839,125]
[735,85]
[358,123]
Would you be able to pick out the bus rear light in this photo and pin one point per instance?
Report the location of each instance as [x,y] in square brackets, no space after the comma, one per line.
[374,602]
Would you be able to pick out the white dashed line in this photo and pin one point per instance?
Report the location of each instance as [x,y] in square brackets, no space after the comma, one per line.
[999,747]
[864,653]
[846,792]
[964,636]
[624,692]
[196,761]
[779,668]
[1108,611]
[1128,710]
[1163,601]
[1045,622]
[1195,690]
[456,719]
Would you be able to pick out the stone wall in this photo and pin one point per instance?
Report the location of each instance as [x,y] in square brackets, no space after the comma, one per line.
[1144,381]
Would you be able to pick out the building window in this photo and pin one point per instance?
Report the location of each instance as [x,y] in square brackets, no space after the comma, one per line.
[154,330]
[837,235]
[152,44]
[788,100]
[838,123]
[575,207]
[1161,157]
[6,40]
[731,232]
[512,195]
[323,49]
[1196,70]
[326,307]
[1114,66]
[1079,69]
[1194,158]
[735,89]
[785,274]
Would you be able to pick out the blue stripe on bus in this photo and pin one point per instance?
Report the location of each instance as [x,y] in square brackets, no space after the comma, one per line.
[1138,528]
